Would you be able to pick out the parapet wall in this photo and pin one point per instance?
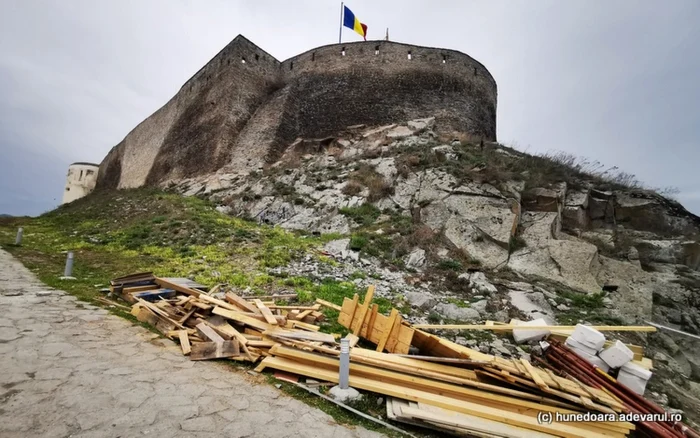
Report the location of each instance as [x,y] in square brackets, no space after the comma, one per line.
[242,108]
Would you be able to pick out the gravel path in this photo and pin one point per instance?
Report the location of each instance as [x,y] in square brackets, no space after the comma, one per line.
[72,369]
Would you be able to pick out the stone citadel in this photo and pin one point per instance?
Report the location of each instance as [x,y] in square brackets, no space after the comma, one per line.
[244,107]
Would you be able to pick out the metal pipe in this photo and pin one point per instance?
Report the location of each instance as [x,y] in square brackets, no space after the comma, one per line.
[18,239]
[69,265]
[344,378]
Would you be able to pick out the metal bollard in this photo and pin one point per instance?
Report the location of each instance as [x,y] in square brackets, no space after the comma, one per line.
[69,264]
[18,239]
[344,378]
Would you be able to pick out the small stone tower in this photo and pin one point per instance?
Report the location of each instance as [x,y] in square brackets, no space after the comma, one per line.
[80,181]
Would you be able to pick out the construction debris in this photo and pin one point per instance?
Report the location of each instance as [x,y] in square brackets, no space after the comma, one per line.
[447,387]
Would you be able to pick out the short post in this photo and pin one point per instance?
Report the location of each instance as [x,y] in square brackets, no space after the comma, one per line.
[18,239]
[69,265]
[344,378]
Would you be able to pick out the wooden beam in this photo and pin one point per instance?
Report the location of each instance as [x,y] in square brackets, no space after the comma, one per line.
[184,342]
[243,319]
[213,350]
[269,317]
[600,328]
[363,310]
[467,407]
[328,304]
[209,333]
[241,303]
[387,332]
[183,289]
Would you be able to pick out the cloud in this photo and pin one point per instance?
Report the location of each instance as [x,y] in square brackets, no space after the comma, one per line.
[611,81]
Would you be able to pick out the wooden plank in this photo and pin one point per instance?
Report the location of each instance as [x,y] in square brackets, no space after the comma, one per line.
[393,340]
[187,316]
[535,376]
[354,339]
[158,311]
[305,326]
[241,303]
[600,328]
[131,290]
[300,335]
[389,327]
[183,289]
[243,319]
[209,333]
[468,407]
[363,310]
[269,317]
[213,350]
[381,323]
[316,307]
[372,318]
[184,342]
[302,315]
[353,309]
[328,304]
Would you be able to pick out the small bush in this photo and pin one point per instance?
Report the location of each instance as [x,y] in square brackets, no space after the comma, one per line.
[358,242]
[365,214]
[352,188]
[449,265]
[434,318]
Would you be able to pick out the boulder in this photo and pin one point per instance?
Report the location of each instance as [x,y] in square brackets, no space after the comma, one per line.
[533,304]
[456,313]
[569,262]
[421,300]
[633,297]
[544,199]
[416,259]
[479,284]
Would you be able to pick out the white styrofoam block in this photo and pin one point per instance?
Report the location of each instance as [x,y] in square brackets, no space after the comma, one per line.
[573,343]
[617,355]
[634,377]
[639,371]
[592,359]
[588,336]
[521,336]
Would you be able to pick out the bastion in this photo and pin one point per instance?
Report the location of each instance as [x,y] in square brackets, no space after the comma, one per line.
[244,107]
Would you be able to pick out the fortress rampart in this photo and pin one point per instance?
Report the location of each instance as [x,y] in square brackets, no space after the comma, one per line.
[244,106]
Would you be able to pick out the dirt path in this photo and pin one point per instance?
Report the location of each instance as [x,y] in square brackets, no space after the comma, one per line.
[70,369]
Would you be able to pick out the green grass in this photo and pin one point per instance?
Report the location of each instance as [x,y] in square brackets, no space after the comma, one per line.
[119,233]
[365,214]
[449,265]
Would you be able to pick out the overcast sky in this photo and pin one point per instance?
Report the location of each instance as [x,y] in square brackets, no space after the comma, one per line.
[617,82]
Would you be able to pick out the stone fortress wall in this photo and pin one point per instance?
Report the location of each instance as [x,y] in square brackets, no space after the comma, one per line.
[244,107]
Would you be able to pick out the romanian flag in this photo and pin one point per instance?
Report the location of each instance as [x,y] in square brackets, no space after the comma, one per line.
[349,20]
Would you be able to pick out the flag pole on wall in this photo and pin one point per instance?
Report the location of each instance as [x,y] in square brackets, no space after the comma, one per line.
[340,32]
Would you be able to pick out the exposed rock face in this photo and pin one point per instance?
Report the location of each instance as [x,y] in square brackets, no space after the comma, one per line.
[455,220]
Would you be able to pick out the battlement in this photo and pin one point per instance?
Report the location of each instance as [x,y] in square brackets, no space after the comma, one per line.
[244,106]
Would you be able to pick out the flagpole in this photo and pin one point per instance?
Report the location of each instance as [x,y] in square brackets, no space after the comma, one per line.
[340,32]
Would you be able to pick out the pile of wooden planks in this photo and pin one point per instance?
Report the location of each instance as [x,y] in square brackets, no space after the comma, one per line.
[232,326]
[447,387]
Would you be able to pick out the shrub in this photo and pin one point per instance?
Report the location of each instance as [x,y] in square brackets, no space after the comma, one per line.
[352,188]
[365,214]
[449,265]
[358,242]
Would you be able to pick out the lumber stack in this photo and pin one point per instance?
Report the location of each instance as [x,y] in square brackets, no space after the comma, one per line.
[447,387]
[229,327]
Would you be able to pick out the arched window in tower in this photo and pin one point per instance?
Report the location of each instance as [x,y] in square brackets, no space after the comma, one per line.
[313,56]
[291,65]
[257,57]
[342,52]
[444,59]
[376,50]
[474,71]
[409,55]
[242,60]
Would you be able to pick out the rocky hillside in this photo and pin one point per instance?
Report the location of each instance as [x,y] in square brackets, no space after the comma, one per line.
[456,228]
